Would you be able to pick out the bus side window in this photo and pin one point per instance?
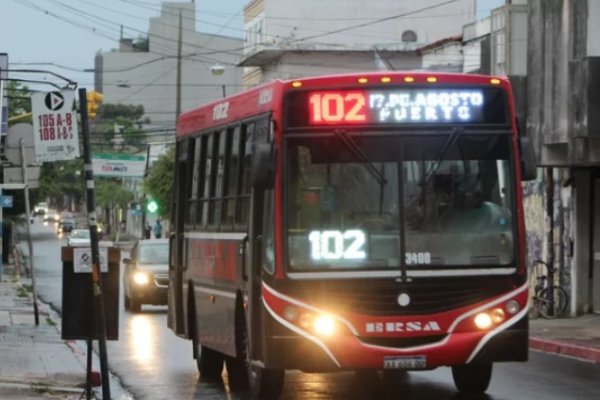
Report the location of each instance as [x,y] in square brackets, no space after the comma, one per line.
[208,142]
[218,176]
[231,179]
[268,242]
[243,203]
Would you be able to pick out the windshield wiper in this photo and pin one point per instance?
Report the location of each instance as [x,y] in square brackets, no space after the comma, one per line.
[442,152]
[357,152]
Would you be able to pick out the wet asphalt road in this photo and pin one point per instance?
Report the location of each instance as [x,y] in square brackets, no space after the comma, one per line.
[152,363]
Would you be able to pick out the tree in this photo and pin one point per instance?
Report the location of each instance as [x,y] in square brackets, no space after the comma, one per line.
[110,195]
[19,99]
[159,182]
[124,120]
[61,182]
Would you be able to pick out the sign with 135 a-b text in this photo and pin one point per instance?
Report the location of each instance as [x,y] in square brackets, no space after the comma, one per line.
[54,126]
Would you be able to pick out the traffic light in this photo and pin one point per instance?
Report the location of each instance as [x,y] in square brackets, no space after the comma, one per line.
[93,103]
[152,206]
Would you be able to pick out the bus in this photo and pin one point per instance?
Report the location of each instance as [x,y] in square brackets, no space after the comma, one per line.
[362,222]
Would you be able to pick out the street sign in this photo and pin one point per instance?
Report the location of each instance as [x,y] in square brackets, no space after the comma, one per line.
[15,175]
[54,126]
[17,134]
[7,201]
[119,165]
[82,259]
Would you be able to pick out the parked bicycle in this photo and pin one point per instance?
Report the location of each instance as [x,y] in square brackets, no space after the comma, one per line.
[549,300]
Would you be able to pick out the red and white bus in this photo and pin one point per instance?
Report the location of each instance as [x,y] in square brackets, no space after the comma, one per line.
[352,222]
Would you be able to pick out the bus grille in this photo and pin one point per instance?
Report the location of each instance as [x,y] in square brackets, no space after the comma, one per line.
[381,297]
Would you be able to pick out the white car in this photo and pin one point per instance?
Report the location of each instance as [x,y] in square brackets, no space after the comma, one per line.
[40,209]
[78,237]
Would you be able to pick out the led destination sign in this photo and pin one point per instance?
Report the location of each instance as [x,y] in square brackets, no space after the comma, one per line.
[430,106]
[397,106]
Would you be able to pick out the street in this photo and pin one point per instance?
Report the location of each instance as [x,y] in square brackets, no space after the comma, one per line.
[153,363]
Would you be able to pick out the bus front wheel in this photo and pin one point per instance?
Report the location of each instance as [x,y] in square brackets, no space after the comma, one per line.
[472,378]
[209,362]
[265,383]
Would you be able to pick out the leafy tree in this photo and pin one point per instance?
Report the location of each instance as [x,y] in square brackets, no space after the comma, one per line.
[112,111]
[62,182]
[120,119]
[19,97]
[110,195]
[159,182]
[142,43]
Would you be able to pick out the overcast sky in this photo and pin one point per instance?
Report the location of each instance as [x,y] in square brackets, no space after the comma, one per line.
[39,33]
[64,35]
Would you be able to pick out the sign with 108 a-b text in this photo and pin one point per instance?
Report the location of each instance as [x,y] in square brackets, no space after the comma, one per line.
[54,126]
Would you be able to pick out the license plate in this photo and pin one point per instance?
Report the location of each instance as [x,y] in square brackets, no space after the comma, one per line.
[405,362]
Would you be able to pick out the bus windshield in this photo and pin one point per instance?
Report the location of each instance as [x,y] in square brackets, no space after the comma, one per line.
[359,200]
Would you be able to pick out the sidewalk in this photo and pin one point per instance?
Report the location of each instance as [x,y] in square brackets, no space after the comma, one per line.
[577,337]
[35,363]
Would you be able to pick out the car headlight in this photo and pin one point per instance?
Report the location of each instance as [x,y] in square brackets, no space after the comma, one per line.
[140,278]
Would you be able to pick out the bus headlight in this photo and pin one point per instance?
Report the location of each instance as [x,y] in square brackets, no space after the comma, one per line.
[483,321]
[498,315]
[513,307]
[324,325]
[140,278]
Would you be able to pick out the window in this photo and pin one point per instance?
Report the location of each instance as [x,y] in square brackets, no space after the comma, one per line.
[193,176]
[219,176]
[216,177]
[244,188]
[409,36]
[208,144]
[231,182]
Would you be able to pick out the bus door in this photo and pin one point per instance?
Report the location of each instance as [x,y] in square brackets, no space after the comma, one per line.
[176,241]
[262,182]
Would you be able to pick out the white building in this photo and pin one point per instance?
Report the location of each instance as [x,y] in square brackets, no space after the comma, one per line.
[289,38]
[150,78]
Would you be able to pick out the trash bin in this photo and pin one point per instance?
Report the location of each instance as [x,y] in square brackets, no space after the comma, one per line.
[78,318]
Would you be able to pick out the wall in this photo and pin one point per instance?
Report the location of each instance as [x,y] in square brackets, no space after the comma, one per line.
[149,78]
[430,25]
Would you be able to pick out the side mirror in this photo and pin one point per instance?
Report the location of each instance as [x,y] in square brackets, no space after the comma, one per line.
[262,158]
[528,162]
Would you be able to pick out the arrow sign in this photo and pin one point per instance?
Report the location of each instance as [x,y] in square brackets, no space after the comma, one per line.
[54,101]
[55,135]
[7,201]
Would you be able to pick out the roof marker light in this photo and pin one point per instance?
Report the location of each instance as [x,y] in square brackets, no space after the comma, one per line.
[409,79]
[362,80]
[495,81]
[431,79]
[386,79]
[296,84]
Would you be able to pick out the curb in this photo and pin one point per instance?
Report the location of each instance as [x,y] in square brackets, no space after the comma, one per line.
[565,349]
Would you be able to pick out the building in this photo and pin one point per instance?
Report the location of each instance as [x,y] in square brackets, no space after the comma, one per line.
[563,120]
[344,35]
[146,73]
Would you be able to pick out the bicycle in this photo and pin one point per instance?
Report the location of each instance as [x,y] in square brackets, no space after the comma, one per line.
[549,299]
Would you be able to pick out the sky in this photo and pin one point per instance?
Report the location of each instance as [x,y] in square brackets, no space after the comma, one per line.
[63,36]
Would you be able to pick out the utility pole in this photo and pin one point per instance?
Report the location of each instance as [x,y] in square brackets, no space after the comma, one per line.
[93,224]
[29,244]
[178,78]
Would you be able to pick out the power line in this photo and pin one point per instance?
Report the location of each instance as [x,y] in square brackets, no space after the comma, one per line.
[377,21]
